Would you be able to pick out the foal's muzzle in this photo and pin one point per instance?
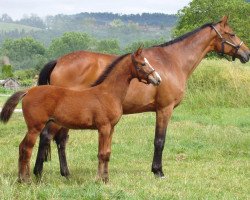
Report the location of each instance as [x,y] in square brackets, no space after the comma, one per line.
[154,78]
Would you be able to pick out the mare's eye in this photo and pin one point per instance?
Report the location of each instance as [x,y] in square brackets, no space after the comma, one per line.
[232,34]
[143,64]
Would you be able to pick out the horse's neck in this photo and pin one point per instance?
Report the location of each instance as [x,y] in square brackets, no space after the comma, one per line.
[117,82]
[192,50]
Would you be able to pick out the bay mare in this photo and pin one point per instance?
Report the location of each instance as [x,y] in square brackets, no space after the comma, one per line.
[98,107]
[175,61]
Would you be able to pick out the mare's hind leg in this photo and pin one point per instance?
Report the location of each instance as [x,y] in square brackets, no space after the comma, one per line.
[43,153]
[25,151]
[61,139]
[104,151]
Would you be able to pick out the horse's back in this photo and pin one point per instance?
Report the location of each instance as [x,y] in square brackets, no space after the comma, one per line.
[78,70]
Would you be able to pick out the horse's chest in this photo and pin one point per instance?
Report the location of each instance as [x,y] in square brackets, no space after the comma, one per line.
[171,93]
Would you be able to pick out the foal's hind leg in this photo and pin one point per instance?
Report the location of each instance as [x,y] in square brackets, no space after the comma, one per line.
[25,151]
[104,151]
[61,139]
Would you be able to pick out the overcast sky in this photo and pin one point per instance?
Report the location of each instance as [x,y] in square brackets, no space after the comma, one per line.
[18,8]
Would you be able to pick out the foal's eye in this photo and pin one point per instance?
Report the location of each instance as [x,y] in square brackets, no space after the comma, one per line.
[232,34]
[143,64]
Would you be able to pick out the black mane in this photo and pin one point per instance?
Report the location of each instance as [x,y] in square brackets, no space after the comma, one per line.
[107,71]
[185,35]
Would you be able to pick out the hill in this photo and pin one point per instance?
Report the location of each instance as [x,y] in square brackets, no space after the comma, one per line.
[8,27]
[124,28]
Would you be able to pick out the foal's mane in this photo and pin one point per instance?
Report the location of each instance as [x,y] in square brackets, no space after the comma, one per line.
[107,71]
[186,35]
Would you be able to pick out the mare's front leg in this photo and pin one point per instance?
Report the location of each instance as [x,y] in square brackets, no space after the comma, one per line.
[163,116]
[104,151]
[25,151]
[61,139]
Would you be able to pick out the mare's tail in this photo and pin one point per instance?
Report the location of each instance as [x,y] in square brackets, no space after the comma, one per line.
[44,76]
[10,106]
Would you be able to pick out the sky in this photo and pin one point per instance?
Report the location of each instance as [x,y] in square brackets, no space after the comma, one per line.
[18,8]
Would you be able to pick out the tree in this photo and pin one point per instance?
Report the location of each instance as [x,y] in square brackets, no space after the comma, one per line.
[148,43]
[22,52]
[7,71]
[6,18]
[108,46]
[33,20]
[71,41]
[199,12]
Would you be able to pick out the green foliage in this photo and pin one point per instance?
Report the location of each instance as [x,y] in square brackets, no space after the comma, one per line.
[70,41]
[26,77]
[124,28]
[199,12]
[147,43]
[7,71]
[23,52]
[110,46]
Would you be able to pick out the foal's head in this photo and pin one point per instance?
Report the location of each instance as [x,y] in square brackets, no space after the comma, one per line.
[144,71]
[228,43]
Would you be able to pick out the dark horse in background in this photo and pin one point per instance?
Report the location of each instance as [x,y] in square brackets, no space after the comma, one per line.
[175,62]
[98,107]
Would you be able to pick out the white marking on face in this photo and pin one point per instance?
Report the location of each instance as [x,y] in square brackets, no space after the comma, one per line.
[158,75]
[146,61]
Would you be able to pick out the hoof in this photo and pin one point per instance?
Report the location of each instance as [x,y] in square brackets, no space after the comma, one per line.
[105,180]
[24,180]
[65,173]
[102,179]
[159,174]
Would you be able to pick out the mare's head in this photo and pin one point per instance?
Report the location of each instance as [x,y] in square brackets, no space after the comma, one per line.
[228,43]
[143,69]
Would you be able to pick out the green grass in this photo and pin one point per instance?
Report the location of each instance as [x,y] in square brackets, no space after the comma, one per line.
[202,160]
[12,26]
[206,153]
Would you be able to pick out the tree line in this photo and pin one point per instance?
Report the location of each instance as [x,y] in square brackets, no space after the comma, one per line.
[30,53]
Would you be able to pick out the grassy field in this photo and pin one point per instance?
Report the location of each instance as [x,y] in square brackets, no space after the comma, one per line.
[11,27]
[206,156]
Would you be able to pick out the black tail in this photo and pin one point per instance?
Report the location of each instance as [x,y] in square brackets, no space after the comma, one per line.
[10,106]
[44,76]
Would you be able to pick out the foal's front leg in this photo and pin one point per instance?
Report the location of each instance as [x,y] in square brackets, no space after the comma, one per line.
[104,151]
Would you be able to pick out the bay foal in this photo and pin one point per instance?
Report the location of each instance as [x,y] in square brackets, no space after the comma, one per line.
[98,107]
[174,60]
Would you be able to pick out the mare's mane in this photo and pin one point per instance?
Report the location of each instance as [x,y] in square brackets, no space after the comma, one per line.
[107,71]
[186,35]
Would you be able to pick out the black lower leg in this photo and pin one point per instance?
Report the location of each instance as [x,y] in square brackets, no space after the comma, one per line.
[61,140]
[158,149]
[43,152]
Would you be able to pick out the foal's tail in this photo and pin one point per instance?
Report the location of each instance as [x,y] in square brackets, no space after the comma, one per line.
[10,106]
[44,76]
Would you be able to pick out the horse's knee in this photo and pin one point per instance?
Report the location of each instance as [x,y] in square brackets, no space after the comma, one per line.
[104,156]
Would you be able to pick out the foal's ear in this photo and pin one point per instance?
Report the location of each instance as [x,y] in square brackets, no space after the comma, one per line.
[224,20]
[139,50]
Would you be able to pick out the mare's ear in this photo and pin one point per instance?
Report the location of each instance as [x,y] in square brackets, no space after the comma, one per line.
[139,50]
[224,20]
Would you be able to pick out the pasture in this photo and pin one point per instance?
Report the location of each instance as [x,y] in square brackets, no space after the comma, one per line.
[206,153]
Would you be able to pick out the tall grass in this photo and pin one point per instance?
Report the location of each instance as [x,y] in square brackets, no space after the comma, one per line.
[219,83]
